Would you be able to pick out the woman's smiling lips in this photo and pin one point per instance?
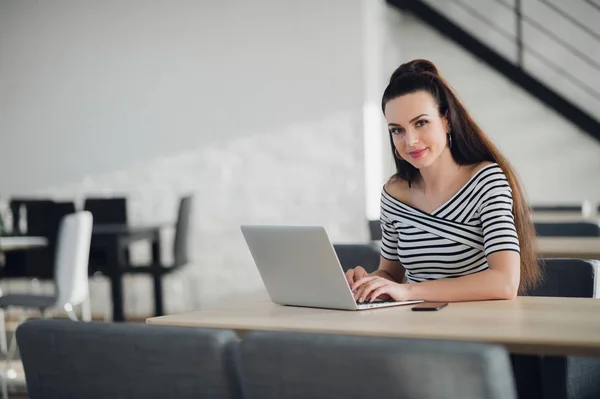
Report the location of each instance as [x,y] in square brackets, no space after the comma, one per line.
[417,153]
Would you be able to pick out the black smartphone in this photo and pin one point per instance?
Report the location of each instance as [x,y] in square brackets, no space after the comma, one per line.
[429,306]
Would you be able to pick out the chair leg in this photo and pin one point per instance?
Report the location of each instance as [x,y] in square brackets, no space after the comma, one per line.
[3,343]
[12,346]
[9,373]
[4,387]
[12,351]
[86,310]
[71,312]
[4,349]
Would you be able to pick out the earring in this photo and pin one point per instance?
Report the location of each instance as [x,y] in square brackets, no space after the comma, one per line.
[449,140]
[396,154]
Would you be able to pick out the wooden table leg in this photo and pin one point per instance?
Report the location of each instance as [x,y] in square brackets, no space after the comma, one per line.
[157,276]
[116,278]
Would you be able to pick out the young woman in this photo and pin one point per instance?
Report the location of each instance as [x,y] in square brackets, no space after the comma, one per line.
[455,225]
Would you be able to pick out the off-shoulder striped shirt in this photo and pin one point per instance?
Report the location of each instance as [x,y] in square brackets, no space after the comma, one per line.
[455,239]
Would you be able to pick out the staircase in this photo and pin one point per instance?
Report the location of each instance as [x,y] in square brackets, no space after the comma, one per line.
[550,48]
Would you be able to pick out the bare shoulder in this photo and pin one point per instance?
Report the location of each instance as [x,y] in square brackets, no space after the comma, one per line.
[476,167]
[398,189]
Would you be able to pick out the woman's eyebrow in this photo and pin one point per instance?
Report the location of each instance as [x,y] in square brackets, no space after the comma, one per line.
[411,121]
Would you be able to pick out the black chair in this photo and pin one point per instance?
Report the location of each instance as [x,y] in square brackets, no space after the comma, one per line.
[63,209]
[112,210]
[567,229]
[66,359]
[180,255]
[37,218]
[567,278]
[37,215]
[107,210]
[561,377]
[557,208]
[352,255]
[43,219]
[375,230]
[282,365]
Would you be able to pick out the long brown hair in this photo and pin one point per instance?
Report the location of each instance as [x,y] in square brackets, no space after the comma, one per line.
[470,146]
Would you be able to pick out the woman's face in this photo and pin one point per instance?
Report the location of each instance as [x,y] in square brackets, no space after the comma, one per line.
[418,131]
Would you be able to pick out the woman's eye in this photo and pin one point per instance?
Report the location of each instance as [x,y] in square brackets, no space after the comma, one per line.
[396,130]
[421,123]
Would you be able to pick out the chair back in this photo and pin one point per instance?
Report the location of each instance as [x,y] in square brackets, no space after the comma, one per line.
[66,359]
[43,219]
[375,230]
[107,210]
[352,255]
[181,248]
[282,365]
[558,208]
[72,256]
[567,229]
[568,278]
[38,215]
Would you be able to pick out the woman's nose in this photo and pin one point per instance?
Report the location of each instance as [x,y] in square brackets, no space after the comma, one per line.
[411,138]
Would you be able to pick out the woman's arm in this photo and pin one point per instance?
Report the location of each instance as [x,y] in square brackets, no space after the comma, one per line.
[500,281]
[391,270]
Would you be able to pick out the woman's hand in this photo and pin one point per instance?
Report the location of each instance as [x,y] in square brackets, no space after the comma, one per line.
[369,288]
[353,275]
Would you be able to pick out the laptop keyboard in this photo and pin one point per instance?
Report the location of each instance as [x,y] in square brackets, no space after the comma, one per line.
[375,302]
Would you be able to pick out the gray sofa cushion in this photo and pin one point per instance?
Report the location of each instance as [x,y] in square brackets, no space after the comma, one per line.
[64,359]
[285,365]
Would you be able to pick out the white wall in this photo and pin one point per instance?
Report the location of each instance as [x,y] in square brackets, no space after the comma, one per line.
[254,107]
[555,160]
[112,83]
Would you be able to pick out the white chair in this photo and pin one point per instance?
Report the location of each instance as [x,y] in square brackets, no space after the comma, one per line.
[71,282]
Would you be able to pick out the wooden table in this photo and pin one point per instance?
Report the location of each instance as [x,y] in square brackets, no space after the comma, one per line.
[19,243]
[526,325]
[569,247]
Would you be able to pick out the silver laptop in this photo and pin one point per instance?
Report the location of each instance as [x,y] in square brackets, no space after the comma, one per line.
[299,267]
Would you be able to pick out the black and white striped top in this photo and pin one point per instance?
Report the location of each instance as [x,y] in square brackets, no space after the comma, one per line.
[455,239]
